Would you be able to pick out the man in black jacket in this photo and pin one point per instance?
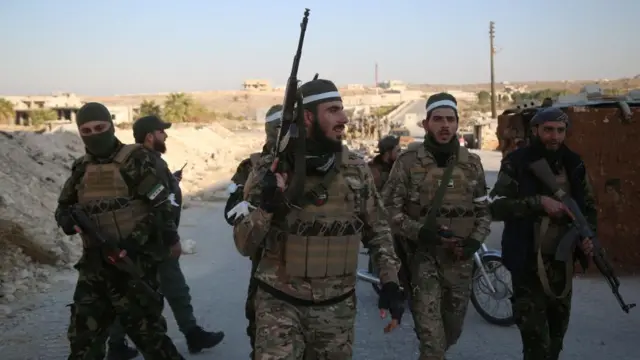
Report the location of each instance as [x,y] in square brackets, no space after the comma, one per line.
[150,132]
[534,222]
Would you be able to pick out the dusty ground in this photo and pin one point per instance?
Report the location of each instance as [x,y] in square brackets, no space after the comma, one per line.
[218,278]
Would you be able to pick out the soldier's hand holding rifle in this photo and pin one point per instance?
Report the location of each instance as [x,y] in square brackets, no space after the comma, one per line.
[273,186]
[556,208]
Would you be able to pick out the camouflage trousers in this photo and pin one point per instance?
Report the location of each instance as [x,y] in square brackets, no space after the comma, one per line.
[249,307]
[439,297]
[174,287]
[543,320]
[103,294]
[289,332]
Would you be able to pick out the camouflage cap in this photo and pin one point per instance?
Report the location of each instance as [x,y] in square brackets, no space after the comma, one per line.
[549,114]
[272,122]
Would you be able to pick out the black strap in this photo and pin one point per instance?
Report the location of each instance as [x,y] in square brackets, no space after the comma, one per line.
[313,195]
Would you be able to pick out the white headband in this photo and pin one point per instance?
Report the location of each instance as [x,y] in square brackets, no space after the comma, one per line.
[274,117]
[316,97]
[441,103]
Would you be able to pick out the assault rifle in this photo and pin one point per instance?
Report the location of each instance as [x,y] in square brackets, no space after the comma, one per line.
[293,123]
[580,230]
[178,174]
[112,254]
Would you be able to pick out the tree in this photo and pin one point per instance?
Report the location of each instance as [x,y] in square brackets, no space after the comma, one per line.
[149,107]
[483,97]
[7,113]
[39,116]
[178,107]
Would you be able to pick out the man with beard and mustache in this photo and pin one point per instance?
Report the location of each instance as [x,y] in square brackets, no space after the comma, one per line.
[125,196]
[534,222]
[437,203]
[149,131]
[307,274]
[240,179]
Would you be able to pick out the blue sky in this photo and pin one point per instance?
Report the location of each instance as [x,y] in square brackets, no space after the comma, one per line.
[110,47]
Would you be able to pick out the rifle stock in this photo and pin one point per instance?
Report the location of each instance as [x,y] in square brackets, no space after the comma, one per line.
[112,254]
[579,230]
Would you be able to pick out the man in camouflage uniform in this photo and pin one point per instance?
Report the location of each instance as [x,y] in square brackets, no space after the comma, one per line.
[440,235]
[271,127]
[149,131]
[121,189]
[307,273]
[380,165]
[534,222]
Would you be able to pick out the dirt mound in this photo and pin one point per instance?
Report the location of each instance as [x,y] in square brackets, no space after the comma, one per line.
[34,167]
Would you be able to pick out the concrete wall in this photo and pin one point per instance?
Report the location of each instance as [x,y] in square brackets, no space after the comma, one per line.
[121,114]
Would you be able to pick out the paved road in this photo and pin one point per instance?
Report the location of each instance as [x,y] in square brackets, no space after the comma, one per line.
[416,107]
[218,278]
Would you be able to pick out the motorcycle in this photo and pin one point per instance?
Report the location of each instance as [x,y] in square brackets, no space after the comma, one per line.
[485,281]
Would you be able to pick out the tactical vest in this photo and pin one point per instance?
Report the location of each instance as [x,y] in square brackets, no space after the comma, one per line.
[547,237]
[324,241]
[102,187]
[457,210]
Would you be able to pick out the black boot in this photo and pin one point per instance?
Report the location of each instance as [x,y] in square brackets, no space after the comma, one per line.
[198,339]
[121,351]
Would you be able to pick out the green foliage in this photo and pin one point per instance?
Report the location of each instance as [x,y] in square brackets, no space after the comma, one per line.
[40,116]
[484,97]
[538,95]
[382,111]
[149,107]
[7,113]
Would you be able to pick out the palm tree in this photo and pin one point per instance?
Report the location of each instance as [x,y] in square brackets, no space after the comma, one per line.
[7,113]
[149,107]
[178,107]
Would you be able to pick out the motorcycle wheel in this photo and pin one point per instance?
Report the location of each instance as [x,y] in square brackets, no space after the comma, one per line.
[477,276]
[374,271]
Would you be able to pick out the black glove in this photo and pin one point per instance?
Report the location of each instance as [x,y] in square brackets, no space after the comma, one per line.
[178,175]
[271,197]
[66,223]
[469,247]
[392,300]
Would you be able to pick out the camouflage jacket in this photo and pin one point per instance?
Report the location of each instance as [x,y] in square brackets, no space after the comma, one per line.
[256,227]
[380,171]
[144,176]
[404,186]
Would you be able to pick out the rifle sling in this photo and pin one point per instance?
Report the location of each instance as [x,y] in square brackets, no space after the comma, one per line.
[542,272]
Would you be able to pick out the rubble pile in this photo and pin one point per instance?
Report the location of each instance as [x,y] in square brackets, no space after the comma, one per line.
[34,167]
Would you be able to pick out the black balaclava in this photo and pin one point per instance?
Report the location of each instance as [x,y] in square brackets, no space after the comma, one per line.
[99,145]
[320,149]
[553,157]
[441,152]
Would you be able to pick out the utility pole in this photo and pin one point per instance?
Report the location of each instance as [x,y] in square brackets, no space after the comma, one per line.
[376,78]
[493,71]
